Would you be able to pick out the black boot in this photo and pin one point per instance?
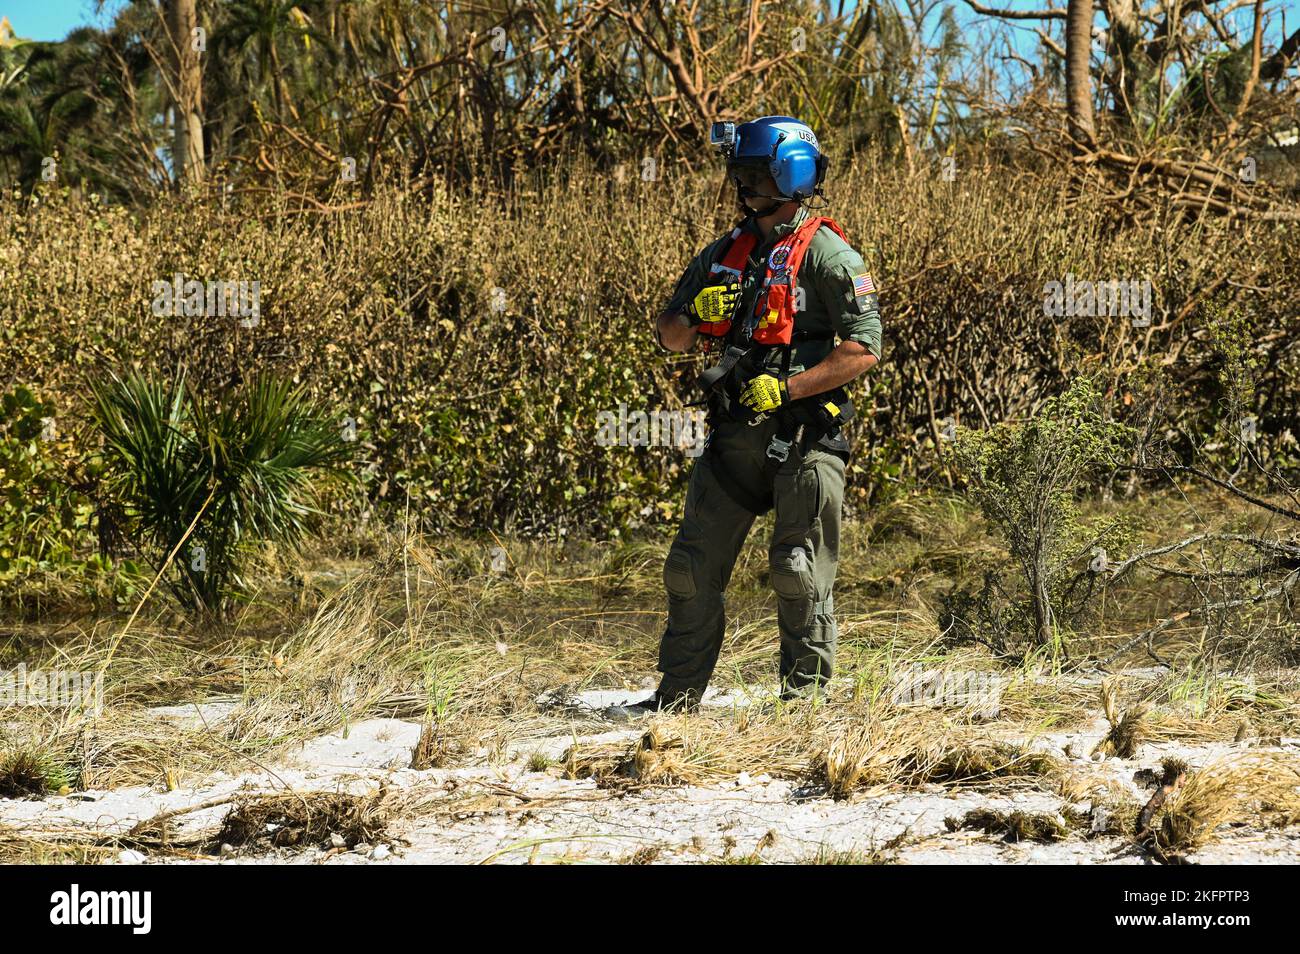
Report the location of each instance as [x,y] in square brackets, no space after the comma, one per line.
[631,711]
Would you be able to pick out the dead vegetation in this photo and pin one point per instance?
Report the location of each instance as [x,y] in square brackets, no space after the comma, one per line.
[20,847]
[299,821]
[431,750]
[1194,806]
[895,749]
[431,634]
[1014,826]
[688,750]
[845,750]
[1126,728]
[30,772]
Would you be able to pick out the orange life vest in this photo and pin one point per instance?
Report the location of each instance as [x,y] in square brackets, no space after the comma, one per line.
[772,320]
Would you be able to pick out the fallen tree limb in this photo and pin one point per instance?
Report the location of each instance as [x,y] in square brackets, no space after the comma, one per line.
[1175,775]
[1282,587]
[1279,551]
[1233,489]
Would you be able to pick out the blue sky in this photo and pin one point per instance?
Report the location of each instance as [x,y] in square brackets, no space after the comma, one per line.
[52,19]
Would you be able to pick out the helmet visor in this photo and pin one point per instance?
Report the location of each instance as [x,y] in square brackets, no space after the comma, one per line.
[751,175]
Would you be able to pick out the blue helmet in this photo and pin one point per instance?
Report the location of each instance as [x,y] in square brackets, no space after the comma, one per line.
[779,145]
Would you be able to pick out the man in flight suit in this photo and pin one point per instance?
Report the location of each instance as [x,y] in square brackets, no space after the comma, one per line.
[775,439]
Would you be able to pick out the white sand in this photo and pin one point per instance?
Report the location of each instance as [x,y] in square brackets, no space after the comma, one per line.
[576,821]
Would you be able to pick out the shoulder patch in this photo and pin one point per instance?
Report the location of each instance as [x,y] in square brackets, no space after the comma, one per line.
[863,285]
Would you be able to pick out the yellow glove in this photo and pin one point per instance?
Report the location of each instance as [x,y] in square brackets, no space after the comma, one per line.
[764,393]
[714,303]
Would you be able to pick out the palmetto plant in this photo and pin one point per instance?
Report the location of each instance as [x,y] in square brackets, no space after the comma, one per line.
[237,467]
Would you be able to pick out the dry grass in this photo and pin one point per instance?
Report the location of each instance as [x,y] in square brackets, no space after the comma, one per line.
[20,847]
[697,750]
[418,635]
[30,771]
[845,749]
[355,658]
[907,749]
[1097,804]
[431,749]
[1126,729]
[429,633]
[1235,790]
[1013,826]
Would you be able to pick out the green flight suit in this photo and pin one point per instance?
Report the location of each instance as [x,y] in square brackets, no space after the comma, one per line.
[807,490]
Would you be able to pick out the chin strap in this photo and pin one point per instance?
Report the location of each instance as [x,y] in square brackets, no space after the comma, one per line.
[743,193]
[817,194]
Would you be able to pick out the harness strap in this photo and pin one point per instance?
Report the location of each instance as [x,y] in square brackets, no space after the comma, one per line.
[711,377]
[814,417]
[819,415]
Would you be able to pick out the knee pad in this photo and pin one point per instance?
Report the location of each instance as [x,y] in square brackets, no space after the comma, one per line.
[679,574]
[792,573]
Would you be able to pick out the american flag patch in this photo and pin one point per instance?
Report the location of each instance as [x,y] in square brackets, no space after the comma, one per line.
[863,285]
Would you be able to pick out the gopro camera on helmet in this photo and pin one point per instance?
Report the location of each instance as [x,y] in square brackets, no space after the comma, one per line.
[723,135]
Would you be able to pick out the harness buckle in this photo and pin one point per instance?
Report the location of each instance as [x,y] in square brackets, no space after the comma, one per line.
[778,449]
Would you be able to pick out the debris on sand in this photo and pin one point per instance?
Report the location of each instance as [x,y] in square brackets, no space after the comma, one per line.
[1127,729]
[431,750]
[656,758]
[685,750]
[891,750]
[1014,826]
[301,820]
[983,762]
[30,772]
[645,855]
[1173,775]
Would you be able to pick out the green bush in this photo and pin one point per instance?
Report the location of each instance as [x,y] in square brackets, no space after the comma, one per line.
[1025,476]
[44,525]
